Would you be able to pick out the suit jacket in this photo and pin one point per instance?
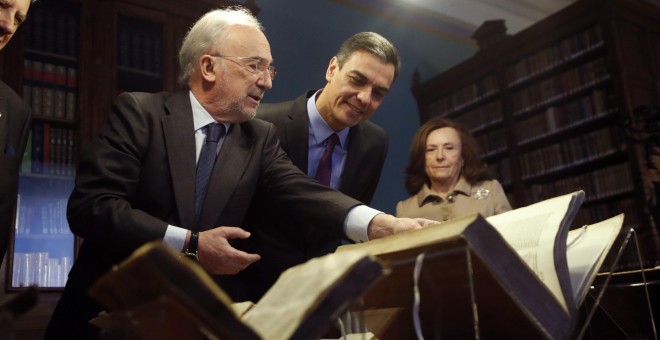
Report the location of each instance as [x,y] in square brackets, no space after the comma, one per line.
[286,239]
[15,120]
[138,176]
[367,146]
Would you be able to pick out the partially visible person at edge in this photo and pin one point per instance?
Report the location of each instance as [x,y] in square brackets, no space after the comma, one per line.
[136,181]
[446,177]
[15,120]
[358,79]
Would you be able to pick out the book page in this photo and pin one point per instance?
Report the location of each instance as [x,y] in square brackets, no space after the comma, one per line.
[242,307]
[286,304]
[587,248]
[533,231]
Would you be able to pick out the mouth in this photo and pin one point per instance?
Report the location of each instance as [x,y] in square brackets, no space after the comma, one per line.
[356,110]
[256,97]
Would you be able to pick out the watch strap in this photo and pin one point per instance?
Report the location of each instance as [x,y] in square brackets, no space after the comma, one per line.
[191,251]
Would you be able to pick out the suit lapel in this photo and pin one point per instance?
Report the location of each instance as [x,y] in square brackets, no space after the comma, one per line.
[4,121]
[229,166]
[298,142]
[179,134]
[354,157]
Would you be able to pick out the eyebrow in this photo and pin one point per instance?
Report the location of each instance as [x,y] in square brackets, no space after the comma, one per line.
[362,76]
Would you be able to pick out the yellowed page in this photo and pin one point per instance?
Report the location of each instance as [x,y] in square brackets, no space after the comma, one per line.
[532,231]
[417,238]
[587,249]
[299,289]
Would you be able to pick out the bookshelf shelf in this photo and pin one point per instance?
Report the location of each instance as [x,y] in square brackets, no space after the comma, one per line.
[552,121]
[50,56]
[572,128]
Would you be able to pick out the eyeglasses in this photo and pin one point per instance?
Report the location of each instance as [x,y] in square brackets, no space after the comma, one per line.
[252,64]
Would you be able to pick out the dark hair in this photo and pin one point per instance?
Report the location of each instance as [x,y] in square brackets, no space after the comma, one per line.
[474,169]
[373,43]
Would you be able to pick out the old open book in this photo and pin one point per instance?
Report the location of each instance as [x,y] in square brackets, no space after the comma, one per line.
[521,274]
[156,294]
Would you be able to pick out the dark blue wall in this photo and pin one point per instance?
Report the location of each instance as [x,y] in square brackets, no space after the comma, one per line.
[304,35]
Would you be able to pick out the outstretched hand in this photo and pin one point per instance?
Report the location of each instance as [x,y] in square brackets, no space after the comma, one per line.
[383,225]
[217,256]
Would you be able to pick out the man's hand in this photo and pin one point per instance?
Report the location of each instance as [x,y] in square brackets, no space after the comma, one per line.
[217,256]
[385,225]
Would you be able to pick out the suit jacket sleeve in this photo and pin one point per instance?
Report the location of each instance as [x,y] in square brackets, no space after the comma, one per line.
[107,206]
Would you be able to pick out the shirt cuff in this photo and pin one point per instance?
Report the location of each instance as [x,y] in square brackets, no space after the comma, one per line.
[356,224]
[175,237]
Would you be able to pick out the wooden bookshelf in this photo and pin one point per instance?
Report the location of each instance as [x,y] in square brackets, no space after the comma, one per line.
[548,105]
[69,61]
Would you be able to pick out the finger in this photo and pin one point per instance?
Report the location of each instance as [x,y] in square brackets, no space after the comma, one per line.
[235,232]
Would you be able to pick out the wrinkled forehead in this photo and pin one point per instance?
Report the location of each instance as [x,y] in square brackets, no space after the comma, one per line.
[246,41]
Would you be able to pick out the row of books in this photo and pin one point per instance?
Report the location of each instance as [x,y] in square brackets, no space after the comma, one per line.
[558,118]
[42,216]
[563,51]
[627,206]
[50,150]
[482,117]
[53,29]
[559,86]
[492,141]
[38,268]
[50,89]
[601,183]
[577,150]
[140,48]
[469,94]
[501,170]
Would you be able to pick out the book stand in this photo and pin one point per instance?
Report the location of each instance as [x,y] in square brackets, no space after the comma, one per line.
[459,297]
[619,304]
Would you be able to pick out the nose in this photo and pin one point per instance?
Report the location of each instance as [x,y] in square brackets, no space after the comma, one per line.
[264,80]
[365,95]
[440,154]
[7,23]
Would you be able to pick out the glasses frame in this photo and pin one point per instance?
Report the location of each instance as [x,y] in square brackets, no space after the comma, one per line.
[255,68]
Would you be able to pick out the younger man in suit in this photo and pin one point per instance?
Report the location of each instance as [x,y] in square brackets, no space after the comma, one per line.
[358,78]
[15,119]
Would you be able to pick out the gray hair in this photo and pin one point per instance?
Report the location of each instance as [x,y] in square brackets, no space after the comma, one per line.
[207,35]
[373,43]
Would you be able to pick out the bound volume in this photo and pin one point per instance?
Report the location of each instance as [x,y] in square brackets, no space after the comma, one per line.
[156,294]
[521,274]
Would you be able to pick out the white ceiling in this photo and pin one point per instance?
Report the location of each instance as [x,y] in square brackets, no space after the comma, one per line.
[518,14]
[458,19]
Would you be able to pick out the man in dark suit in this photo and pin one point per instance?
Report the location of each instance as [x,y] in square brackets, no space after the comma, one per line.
[358,78]
[136,181]
[15,119]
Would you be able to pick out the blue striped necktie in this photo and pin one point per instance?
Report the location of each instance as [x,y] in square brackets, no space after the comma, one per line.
[205,164]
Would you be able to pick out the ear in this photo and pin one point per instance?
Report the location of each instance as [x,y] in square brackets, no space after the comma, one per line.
[333,66]
[207,66]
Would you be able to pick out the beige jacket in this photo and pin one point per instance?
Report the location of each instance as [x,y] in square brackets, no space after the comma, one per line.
[487,198]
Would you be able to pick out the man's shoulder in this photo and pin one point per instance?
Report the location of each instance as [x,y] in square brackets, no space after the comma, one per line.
[372,130]
[14,101]
[286,110]
[7,92]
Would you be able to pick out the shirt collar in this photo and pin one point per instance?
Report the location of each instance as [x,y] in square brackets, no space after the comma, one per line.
[201,117]
[319,128]
[424,195]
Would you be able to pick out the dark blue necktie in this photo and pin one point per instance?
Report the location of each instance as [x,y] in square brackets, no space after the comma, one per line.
[205,164]
[324,171]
